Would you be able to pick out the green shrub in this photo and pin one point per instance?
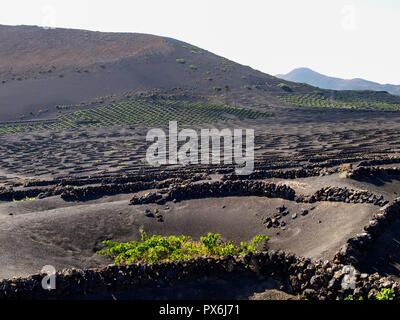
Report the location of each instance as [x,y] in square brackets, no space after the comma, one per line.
[26,199]
[174,248]
[386,294]
[180,61]
[350,297]
[285,87]
[217,88]
[193,67]
[252,246]
[210,241]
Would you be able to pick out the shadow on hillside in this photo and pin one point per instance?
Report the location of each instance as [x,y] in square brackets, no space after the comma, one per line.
[384,255]
[231,288]
[378,181]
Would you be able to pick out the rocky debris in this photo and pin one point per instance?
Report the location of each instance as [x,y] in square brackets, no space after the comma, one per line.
[189,190]
[281,209]
[304,212]
[268,223]
[41,196]
[159,216]
[339,194]
[281,212]
[148,213]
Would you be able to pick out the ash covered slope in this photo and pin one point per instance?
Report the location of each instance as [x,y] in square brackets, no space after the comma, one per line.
[41,68]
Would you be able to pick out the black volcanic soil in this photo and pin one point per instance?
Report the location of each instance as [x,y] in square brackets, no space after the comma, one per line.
[229,288]
[69,236]
[290,138]
[52,231]
[35,233]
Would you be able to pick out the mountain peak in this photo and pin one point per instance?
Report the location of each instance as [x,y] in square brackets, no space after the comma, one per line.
[311,77]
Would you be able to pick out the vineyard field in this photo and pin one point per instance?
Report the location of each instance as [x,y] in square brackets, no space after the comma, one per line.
[344,99]
[140,112]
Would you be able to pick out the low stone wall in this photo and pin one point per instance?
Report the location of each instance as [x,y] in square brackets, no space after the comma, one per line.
[229,188]
[119,179]
[90,192]
[356,247]
[216,189]
[365,172]
[311,280]
[338,194]
[75,193]
[9,194]
[282,174]
[376,162]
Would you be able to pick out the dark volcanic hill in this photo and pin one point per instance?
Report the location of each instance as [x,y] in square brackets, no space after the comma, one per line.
[41,68]
[306,75]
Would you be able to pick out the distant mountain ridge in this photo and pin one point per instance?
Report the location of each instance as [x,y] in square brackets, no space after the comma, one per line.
[306,75]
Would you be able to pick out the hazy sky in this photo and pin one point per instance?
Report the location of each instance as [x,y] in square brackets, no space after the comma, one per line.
[348,39]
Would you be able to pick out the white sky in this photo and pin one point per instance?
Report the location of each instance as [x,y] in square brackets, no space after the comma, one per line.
[347,39]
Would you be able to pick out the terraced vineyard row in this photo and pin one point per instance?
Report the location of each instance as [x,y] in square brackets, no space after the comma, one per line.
[353,100]
[140,112]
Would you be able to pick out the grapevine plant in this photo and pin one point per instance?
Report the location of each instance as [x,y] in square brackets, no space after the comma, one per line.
[159,248]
